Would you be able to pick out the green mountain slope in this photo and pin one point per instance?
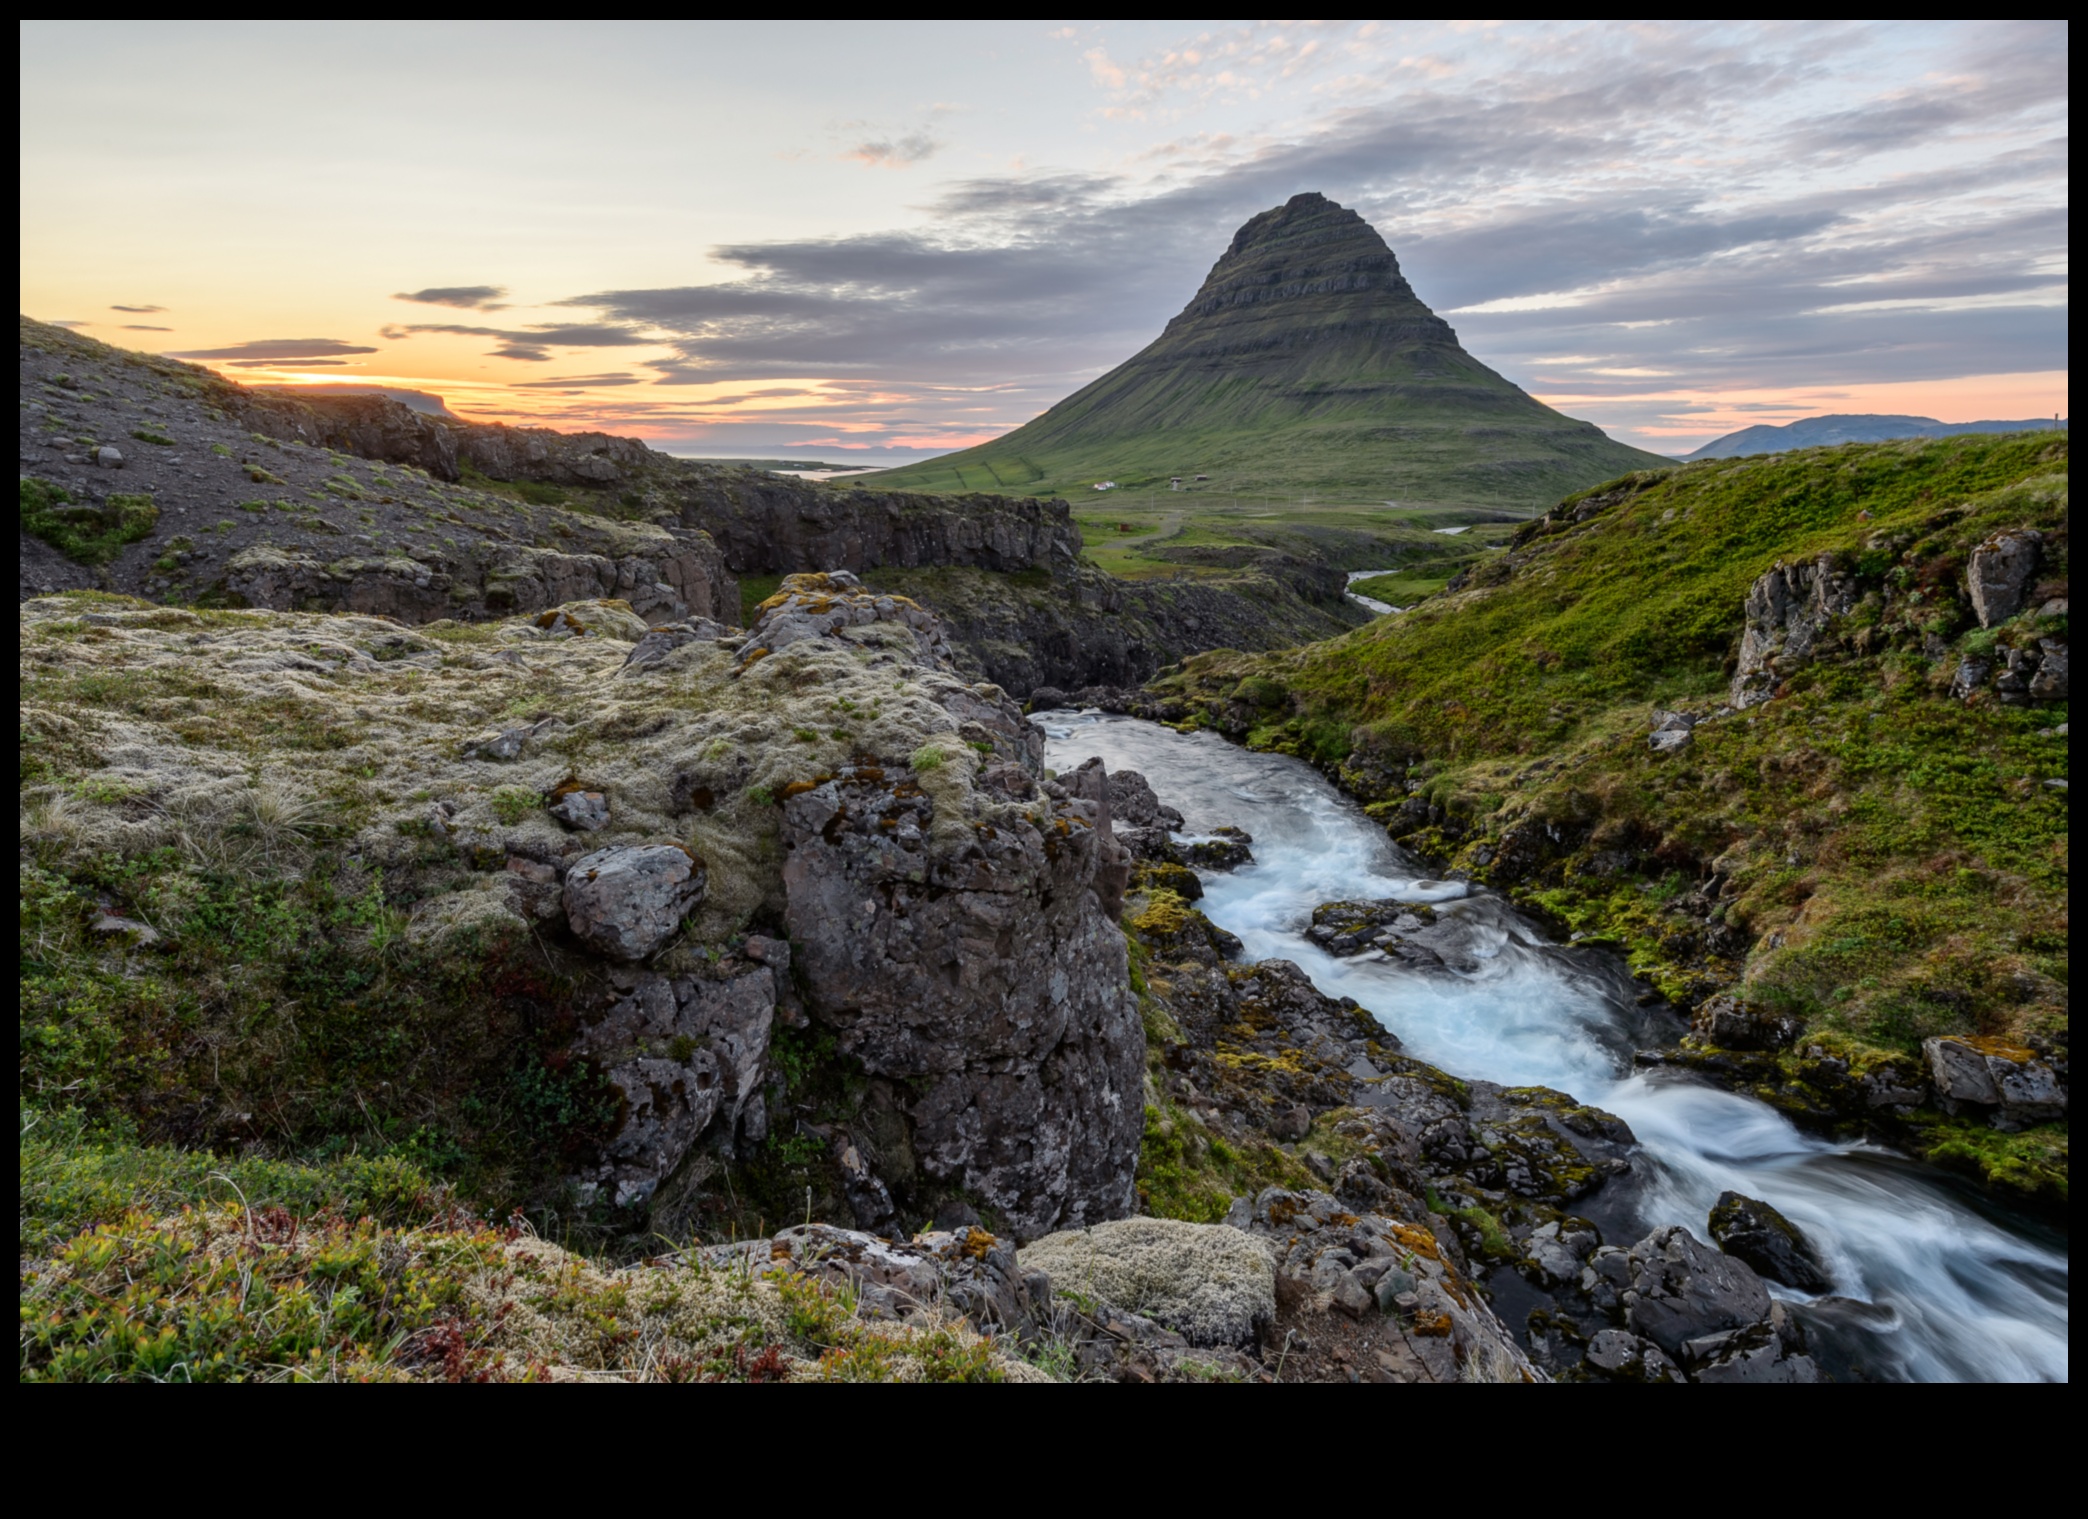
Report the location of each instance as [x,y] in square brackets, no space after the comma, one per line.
[1305,366]
[1874,856]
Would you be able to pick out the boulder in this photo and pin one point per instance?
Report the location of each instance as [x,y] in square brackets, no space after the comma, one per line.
[1623,1357]
[581,811]
[1210,1283]
[1756,1233]
[1681,1289]
[1226,850]
[1046,699]
[2020,1085]
[108,458]
[625,902]
[1732,1023]
[1132,803]
[2000,572]
[1349,928]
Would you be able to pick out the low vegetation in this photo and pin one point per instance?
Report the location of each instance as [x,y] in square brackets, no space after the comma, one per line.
[1866,852]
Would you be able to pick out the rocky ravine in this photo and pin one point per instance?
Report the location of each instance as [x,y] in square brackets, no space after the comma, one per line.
[789,917]
[159,479]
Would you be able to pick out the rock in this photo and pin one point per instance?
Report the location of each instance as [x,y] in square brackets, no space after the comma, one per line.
[1970,675]
[1759,1235]
[1210,1283]
[1046,699]
[1668,740]
[1733,1023]
[680,1053]
[1348,928]
[2049,683]
[1993,1073]
[1227,850]
[1292,1124]
[1681,1289]
[536,888]
[625,902]
[957,945]
[651,651]
[581,811]
[108,458]
[1786,609]
[140,934]
[1623,1357]
[962,1269]
[507,744]
[1771,1352]
[2000,572]
[1091,782]
[1132,803]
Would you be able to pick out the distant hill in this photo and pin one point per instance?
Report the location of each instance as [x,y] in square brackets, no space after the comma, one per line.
[1825,432]
[1306,365]
[415,400]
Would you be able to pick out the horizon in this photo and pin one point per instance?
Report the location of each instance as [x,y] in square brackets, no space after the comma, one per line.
[733,241]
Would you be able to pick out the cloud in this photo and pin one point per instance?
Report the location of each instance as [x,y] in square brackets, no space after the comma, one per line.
[139,310]
[292,363]
[276,350]
[895,153]
[141,327]
[68,322]
[470,297]
[589,381]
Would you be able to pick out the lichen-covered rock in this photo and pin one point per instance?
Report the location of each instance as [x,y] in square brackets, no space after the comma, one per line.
[1349,928]
[955,942]
[1999,574]
[625,902]
[1757,1233]
[1786,609]
[1733,1023]
[1211,1284]
[965,1271]
[2016,1083]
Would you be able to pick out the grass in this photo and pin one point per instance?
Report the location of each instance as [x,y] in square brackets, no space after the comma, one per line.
[1882,859]
[149,1264]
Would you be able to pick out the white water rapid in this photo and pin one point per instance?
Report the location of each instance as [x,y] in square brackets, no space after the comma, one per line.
[1932,1282]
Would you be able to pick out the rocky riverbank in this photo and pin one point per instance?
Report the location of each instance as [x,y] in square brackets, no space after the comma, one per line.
[1817,797]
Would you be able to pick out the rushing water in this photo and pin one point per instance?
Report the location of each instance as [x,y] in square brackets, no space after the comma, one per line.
[1933,1282]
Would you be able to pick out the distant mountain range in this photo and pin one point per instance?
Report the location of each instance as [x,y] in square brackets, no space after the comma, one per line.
[1825,432]
[1305,368]
[416,400]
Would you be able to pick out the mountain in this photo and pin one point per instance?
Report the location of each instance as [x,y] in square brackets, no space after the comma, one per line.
[1306,365]
[413,400]
[1860,427]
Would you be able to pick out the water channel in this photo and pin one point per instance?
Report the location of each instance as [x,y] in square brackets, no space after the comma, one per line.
[1934,1282]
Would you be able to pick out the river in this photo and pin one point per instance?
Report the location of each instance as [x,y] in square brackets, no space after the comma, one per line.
[1934,1282]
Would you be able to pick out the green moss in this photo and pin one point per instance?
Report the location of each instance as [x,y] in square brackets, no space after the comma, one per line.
[83,531]
[511,804]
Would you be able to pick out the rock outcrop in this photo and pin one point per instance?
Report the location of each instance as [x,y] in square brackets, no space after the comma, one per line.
[2008,1084]
[1999,574]
[1786,610]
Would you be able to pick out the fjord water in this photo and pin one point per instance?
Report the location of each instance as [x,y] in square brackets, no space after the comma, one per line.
[1932,1283]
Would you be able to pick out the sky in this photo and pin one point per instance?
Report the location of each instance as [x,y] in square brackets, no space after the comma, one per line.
[872,241]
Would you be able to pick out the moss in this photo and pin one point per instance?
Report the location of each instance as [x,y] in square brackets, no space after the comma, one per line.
[83,531]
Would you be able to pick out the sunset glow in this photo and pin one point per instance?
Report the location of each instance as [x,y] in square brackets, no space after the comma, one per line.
[701,236]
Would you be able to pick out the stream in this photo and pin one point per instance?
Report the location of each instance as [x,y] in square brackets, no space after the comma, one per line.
[1934,1281]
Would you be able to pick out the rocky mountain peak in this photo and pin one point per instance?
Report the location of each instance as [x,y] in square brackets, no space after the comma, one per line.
[1309,246]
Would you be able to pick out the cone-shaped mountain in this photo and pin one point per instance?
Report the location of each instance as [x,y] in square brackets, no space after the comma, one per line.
[1306,365]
